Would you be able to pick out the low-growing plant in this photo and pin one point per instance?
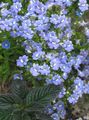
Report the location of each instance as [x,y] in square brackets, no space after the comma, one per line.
[23,103]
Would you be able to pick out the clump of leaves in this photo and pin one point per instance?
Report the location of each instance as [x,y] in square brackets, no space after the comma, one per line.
[23,103]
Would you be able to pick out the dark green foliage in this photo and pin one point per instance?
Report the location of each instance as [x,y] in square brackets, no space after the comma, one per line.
[53,10]
[9,56]
[43,1]
[88,1]
[22,103]
[19,89]
[40,97]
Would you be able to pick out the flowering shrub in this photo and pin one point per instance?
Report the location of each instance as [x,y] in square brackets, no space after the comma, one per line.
[48,40]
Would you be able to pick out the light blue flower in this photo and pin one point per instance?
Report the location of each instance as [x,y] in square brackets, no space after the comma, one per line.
[57,80]
[55,116]
[22,61]
[17,76]
[83,6]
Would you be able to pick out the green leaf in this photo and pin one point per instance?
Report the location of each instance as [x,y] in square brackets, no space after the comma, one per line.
[26,117]
[19,88]
[6,114]
[6,101]
[38,98]
[10,100]
[10,114]
[22,104]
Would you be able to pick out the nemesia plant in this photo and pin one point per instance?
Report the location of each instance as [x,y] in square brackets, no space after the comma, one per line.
[55,38]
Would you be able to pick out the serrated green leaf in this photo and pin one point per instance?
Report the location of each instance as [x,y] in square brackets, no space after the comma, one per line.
[6,114]
[6,101]
[19,88]
[10,114]
[26,117]
[40,97]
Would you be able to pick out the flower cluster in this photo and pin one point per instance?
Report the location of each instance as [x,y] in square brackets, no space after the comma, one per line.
[54,51]
[22,61]
[59,106]
[83,6]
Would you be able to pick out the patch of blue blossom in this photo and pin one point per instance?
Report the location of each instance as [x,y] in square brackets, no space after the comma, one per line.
[50,56]
[8,24]
[16,0]
[62,93]
[60,21]
[49,109]
[65,76]
[55,63]
[44,69]
[86,71]
[52,40]
[60,3]
[63,57]
[37,69]
[18,76]
[24,32]
[36,8]
[42,23]
[78,91]
[64,2]
[65,67]
[79,60]
[86,88]
[56,80]
[68,33]
[38,54]
[22,61]
[55,116]
[26,23]
[27,46]
[16,7]
[13,34]
[81,73]
[31,46]
[2,4]
[4,12]
[83,5]
[59,106]
[67,45]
